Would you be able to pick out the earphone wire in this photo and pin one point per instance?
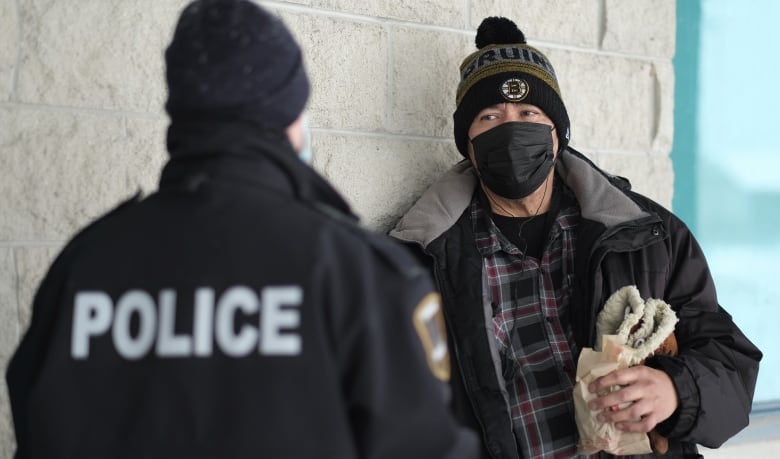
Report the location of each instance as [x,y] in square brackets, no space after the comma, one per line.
[509,366]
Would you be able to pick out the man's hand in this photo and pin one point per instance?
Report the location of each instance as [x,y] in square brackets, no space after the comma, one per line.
[646,397]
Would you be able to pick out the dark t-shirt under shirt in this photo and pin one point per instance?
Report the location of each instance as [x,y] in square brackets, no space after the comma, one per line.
[529,234]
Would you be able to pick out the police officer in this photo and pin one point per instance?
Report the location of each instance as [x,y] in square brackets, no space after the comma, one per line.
[239,311]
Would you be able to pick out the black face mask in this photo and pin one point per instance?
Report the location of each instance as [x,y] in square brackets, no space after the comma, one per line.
[514,159]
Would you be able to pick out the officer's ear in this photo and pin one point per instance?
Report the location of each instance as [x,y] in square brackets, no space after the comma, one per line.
[295,133]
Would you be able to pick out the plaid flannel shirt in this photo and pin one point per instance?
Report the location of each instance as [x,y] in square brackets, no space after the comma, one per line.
[529,298]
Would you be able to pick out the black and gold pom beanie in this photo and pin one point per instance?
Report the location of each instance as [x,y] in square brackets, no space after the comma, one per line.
[506,69]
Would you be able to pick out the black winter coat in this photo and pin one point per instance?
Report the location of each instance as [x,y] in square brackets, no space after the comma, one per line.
[624,239]
[239,311]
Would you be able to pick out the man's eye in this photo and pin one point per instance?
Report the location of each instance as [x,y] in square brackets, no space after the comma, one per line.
[489,117]
[529,113]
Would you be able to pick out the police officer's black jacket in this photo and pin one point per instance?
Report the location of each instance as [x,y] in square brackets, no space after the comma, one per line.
[624,239]
[236,312]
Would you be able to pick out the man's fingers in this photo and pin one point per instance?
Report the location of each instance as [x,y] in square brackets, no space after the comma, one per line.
[634,399]
[616,378]
[616,399]
[631,413]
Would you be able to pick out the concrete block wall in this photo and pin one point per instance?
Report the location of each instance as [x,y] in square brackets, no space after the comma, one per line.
[82,122]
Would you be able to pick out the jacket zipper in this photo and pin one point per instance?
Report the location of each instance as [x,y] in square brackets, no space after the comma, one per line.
[456,351]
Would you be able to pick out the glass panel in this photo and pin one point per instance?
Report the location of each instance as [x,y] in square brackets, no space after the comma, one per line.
[737,193]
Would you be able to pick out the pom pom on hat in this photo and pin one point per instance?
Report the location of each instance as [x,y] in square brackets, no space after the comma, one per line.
[506,69]
[498,31]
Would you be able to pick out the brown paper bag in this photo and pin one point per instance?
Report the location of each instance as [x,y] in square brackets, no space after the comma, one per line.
[646,326]
[595,435]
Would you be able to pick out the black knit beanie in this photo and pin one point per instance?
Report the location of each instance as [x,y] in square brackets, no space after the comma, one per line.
[231,59]
[506,69]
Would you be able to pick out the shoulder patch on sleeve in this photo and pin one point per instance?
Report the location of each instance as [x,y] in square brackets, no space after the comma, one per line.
[429,324]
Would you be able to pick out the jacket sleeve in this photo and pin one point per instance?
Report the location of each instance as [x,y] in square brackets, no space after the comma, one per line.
[31,352]
[392,354]
[716,370]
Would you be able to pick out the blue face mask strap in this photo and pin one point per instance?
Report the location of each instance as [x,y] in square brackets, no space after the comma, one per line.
[305,154]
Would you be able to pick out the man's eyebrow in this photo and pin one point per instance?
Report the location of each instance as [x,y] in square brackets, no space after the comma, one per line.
[493,107]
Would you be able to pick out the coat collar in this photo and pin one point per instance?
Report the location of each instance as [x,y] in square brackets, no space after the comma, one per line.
[246,152]
[602,198]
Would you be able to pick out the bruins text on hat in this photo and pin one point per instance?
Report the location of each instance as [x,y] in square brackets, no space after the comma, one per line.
[138,325]
[505,54]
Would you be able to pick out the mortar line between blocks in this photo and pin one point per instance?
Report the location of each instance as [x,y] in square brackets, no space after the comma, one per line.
[84,110]
[19,35]
[389,76]
[357,17]
[374,134]
[16,287]
[31,244]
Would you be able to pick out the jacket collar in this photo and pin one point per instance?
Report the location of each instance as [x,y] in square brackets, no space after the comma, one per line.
[602,198]
[246,152]
[439,207]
